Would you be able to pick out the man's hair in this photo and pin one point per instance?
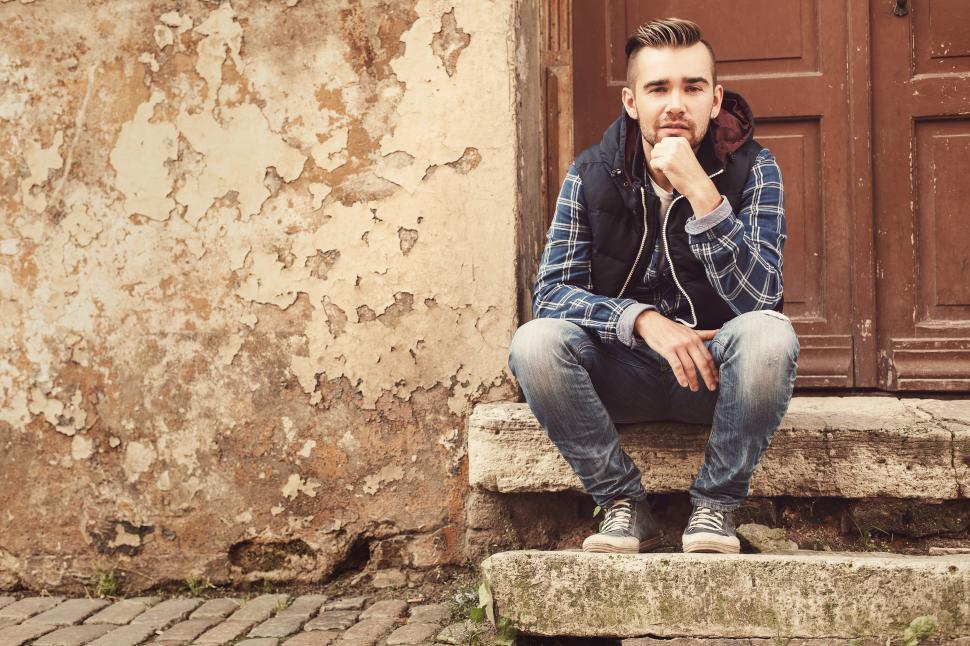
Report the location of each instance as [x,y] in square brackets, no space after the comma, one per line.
[665,32]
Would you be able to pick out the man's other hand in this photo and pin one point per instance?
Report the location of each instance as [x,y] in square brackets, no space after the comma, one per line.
[682,347]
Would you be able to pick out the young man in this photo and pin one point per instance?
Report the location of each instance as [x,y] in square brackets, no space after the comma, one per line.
[659,294]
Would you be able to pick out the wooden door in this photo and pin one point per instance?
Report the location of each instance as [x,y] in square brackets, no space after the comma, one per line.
[791,61]
[921,149]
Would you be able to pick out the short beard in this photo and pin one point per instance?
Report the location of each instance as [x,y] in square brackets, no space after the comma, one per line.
[649,136]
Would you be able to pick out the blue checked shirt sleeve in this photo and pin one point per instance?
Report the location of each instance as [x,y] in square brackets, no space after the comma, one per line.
[564,282]
[742,253]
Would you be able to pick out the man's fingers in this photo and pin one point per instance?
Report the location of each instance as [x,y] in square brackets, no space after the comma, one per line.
[705,363]
[678,369]
[706,335]
[690,370]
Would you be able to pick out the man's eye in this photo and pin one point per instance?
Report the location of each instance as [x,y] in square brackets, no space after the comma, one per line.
[694,88]
[659,89]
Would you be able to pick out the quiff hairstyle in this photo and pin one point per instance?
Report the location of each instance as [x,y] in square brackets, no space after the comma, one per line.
[665,32]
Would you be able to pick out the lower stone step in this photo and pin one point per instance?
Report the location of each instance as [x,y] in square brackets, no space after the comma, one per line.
[850,447]
[801,594]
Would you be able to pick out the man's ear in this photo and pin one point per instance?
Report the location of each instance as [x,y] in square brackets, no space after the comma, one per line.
[718,98]
[629,103]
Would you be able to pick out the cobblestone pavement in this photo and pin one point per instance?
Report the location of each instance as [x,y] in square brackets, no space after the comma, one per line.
[265,620]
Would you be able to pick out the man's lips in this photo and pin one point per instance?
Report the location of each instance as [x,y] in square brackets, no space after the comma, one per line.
[674,126]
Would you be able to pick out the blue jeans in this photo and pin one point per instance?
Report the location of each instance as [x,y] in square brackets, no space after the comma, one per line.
[578,387]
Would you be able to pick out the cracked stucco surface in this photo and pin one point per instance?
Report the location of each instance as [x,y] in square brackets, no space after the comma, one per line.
[256,266]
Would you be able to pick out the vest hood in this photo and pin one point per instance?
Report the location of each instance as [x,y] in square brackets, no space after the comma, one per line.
[731,128]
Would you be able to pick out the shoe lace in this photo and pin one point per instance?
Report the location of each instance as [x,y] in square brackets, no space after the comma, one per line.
[618,516]
[707,518]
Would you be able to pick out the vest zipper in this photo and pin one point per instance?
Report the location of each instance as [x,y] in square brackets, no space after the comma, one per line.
[643,241]
[673,272]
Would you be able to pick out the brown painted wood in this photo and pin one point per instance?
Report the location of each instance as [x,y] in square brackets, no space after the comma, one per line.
[921,147]
[557,67]
[791,60]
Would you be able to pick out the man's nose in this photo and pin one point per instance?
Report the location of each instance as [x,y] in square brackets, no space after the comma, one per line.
[675,105]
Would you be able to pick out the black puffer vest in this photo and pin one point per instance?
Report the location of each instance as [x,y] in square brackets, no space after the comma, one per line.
[618,206]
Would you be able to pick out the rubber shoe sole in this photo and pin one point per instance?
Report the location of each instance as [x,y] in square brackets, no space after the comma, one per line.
[600,543]
[711,543]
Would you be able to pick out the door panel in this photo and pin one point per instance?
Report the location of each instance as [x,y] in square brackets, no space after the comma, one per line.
[789,59]
[921,137]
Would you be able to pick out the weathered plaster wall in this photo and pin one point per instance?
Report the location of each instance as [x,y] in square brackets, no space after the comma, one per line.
[256,265]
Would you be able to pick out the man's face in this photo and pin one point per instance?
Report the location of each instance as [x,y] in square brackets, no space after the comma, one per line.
[672,93]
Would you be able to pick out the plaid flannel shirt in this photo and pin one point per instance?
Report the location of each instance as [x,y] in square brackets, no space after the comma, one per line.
[742,256]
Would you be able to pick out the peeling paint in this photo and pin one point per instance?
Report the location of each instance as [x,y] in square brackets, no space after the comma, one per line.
[242,239]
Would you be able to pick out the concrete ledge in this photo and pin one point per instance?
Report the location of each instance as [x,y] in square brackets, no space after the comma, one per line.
[799,594]
[852,447]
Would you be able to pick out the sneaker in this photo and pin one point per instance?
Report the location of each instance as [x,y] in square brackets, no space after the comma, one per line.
[711,530]
[628,527]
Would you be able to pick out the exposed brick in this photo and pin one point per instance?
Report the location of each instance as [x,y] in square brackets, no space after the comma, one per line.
[122,612]
[70,612]
[73,635]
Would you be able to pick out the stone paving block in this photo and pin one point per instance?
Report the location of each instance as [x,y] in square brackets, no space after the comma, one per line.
[368,631]
[70,612]
[457,634]
[347,603]
[261,641]
[6,601]
[167,612]
[278,627]
[804,595]
[305,606]
[431,613]
[74,635]
[260,608]
[412,634]
[315,638]
[222,607]
[28,607]
[225,632]
[23,633]
[390,608]
[333,620]
[129,635]
[185,631]
[122,612]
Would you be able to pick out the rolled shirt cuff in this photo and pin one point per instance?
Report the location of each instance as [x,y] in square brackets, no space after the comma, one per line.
[624,328]
[720,213]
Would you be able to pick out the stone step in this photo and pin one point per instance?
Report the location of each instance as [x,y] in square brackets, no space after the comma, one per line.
[851,447]
[799,594]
